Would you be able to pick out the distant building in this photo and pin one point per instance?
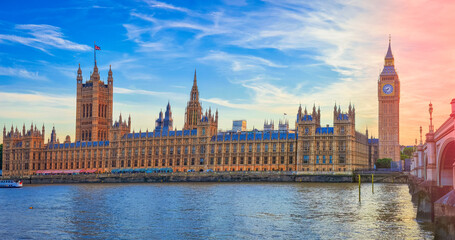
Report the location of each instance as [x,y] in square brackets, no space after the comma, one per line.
[373,151]
[283,125]
[269,126]
[165,123]
[238,125]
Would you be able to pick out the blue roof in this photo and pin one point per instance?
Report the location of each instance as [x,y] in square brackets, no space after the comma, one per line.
[78,144]
[193,132]
[143,135]
[89,144]
[83,144]
[227,137]
[282,135]
[130,135]
[250,136]
[324,130]
[242,136]
[291,136]
[71,145]
[258,136]
[388,71]
[95,144]
[235,137]
[275,136]
[171,133]
[60,146]
[179,133]
[343,116]
[150,134]
[266,136]
[186,132]
[373,141]
[307,118]
[219,137]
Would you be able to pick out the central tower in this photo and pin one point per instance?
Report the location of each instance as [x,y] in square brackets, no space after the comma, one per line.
[389,109]
[93,107]
[193,109]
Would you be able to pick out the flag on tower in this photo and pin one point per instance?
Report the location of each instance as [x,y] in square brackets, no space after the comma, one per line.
[97,48]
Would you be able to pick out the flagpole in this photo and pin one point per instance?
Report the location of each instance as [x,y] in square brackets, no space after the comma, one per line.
[94,51]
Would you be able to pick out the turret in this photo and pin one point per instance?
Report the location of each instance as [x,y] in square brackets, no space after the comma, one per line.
[4,131]
[110,79]
[43,131]
[23,130]
[129,121]
[79,75]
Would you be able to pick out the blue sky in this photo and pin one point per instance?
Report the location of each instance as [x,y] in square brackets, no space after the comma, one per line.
[255,60]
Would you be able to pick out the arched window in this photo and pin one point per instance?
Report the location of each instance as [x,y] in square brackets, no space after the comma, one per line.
[90,109]
[83,110]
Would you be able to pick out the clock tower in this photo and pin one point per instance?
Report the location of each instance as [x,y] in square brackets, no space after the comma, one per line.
[389,109]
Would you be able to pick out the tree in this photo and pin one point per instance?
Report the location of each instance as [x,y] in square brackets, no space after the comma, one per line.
[408,151]
[383,163]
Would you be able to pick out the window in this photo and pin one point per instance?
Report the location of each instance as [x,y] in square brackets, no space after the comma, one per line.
[273,160]
[274,147]
[201,161]
[265,160]
[192,161]
[317,159]
[323,159]
[226,160]
[243,148]
[291,147]
[282,147]
[212,149]
[186,149]
[257,160]
[193,150]
[234,160]
[266,147]
[219,161]
[258,148]
[330,159]
[342,159]
[211,161]
[241,161]
[250,148]
[290,159]
[234,149]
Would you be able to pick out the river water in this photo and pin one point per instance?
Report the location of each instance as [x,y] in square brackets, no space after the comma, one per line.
[210,211]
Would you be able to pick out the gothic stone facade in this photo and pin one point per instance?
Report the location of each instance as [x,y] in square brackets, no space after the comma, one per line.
[389,109]
[199,146]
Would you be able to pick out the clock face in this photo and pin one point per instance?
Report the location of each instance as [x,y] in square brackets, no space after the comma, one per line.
[387,89]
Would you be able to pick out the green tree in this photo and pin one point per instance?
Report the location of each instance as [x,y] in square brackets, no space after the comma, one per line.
[383,163]
[408,151]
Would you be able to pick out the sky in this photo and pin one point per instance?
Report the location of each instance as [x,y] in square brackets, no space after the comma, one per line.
[255,60]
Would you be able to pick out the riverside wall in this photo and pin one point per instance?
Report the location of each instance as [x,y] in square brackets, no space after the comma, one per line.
[434,204]
[209,177]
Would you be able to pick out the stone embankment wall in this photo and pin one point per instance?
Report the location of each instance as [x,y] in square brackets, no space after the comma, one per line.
[435,204]
[212,177]
[185,177]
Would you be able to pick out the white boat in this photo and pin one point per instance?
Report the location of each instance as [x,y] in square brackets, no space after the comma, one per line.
[10,184]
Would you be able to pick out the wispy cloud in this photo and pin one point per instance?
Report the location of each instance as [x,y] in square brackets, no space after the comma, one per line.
[21,73]
[239,62]
[42,37]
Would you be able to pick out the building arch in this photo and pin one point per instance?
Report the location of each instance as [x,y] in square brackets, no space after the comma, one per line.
[445,160]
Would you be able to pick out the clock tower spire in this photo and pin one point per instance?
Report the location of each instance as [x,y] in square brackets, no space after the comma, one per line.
[389,109]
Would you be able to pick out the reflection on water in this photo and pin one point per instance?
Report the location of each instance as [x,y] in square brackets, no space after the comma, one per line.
[209,210]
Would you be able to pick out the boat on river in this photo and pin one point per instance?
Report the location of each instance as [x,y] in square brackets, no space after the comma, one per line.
[10,184]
